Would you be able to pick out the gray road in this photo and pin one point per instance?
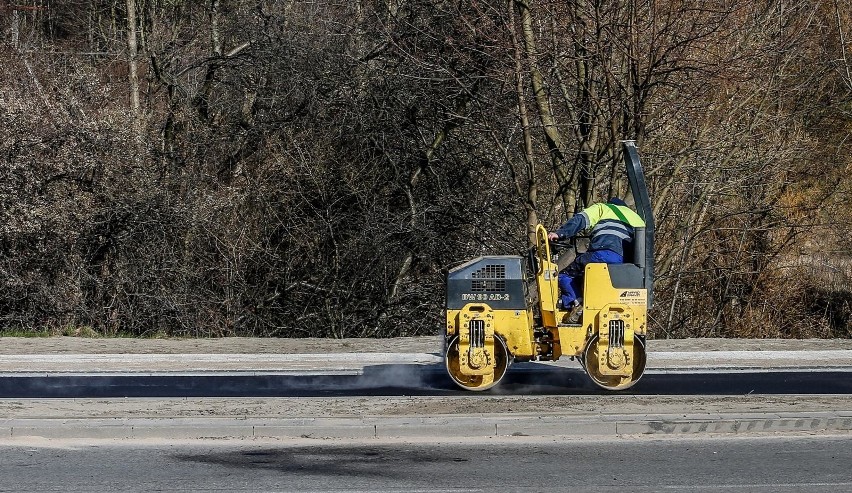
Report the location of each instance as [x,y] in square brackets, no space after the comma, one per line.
[378,388]
[710,415]
[712,464]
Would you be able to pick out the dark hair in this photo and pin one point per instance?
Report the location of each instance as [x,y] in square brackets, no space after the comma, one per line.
[616,201]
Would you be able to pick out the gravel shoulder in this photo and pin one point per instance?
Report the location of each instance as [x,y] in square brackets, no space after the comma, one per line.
[474,404]
[427,344]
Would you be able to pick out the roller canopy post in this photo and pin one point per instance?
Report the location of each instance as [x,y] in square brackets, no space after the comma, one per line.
[639,189]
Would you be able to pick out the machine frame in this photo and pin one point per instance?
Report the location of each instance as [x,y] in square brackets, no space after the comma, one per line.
[502,309]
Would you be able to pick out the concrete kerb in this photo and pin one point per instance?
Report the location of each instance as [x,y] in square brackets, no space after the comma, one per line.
[436,427]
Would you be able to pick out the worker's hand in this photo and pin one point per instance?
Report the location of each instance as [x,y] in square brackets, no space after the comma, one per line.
[552,236]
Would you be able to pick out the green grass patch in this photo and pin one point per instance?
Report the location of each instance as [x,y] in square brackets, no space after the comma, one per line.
[83,331]
[27,333]
[68,331]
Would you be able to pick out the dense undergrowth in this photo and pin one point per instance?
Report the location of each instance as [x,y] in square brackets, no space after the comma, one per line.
[315,168]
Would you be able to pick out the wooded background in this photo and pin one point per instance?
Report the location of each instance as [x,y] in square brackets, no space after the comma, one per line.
[314,168]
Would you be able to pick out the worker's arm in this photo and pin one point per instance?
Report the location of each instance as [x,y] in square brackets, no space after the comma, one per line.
[584,220]
[574,225]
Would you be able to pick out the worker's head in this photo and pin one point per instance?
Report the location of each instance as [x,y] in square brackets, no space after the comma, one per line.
[616,201]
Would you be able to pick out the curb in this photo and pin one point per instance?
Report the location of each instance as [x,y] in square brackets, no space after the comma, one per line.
[447,427]
[359,363]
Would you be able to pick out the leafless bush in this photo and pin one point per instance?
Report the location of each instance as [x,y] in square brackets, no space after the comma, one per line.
[314,168]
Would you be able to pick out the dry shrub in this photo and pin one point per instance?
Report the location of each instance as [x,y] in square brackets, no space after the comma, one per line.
[809,299]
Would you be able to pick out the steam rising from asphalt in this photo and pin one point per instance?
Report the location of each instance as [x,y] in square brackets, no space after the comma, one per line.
[520,379]
[415,377]
[350,374]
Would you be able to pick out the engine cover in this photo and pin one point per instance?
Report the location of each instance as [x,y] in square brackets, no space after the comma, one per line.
[498,281]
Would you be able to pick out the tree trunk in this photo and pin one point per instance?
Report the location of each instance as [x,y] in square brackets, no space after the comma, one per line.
[530,192]
[132,54]
[554,140]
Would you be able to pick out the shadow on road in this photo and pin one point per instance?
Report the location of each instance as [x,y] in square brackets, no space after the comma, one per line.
[416,380]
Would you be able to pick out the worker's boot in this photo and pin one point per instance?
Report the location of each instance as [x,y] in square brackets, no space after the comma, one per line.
[576,312]
[575,309]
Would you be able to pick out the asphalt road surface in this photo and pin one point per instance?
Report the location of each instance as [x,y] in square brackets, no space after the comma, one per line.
[774,464]
[527,379]
[381,415]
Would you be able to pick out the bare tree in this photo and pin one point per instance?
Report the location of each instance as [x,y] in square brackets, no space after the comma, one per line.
[133,71]
[314,170]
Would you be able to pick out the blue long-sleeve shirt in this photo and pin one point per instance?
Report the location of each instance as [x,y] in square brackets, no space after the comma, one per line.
[608,231]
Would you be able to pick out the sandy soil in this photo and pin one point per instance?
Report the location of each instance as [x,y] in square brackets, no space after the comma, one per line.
[467,404]
[431,344]
[228,345]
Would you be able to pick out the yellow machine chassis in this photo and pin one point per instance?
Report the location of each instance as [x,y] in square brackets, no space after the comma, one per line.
[609,339]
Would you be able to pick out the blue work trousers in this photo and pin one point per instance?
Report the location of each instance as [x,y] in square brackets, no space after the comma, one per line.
[571,279]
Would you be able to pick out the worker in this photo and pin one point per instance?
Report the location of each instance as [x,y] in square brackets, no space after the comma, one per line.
[611,230]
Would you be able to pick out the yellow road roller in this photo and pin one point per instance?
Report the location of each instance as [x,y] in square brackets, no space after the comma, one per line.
[502,309]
